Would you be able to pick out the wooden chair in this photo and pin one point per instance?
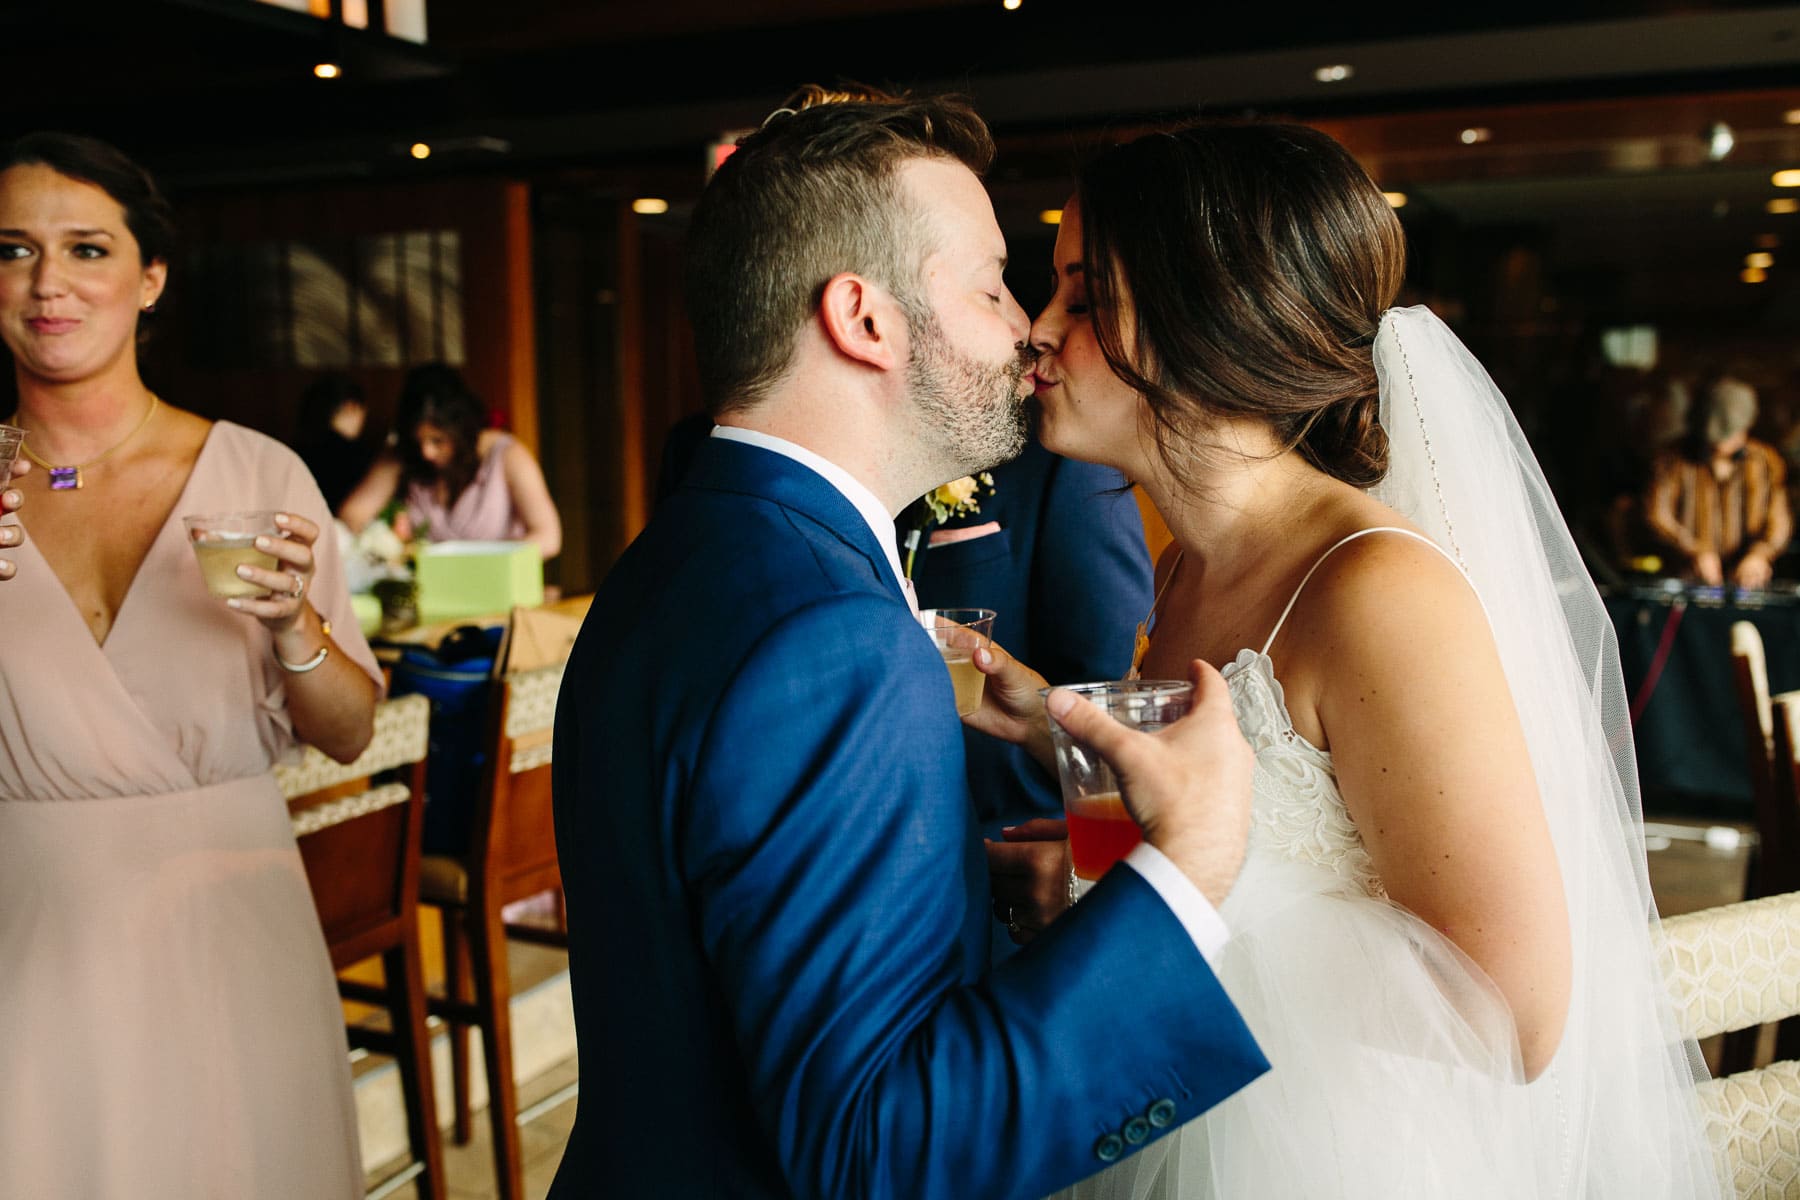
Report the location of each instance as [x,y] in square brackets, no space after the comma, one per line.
[1738,967]
[361,852]
[512,856]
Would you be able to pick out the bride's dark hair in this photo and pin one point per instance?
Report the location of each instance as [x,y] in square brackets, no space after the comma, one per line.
[1242,267]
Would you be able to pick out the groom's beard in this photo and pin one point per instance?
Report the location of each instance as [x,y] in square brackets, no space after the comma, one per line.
[973,406]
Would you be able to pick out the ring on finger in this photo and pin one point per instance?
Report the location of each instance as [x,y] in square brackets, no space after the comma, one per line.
[1012,922]
[299,586]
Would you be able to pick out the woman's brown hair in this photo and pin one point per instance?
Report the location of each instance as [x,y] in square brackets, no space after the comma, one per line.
[1255,260]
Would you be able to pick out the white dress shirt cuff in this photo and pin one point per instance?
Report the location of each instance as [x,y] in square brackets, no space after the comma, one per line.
[1190,906]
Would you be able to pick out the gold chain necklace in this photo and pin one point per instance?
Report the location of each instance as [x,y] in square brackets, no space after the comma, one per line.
[68,479]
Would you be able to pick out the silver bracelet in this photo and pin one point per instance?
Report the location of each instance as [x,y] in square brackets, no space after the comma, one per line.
[311,664]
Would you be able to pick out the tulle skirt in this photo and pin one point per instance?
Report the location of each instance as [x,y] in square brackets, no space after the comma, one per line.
[1395,1073]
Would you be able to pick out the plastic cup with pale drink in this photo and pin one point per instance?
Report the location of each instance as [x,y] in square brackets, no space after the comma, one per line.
[1101,831]
[11,438]
[958,633]
[223,542]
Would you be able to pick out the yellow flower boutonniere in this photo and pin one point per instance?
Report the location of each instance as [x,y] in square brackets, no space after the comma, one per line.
[958,498]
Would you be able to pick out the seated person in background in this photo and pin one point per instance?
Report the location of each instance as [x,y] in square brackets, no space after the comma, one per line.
[1057,551]
[330,436]
[1719,501]
[457,478]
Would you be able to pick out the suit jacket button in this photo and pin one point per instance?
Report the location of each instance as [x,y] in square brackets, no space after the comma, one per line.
[1109,1148]
[1136,1130]
[1162,1114]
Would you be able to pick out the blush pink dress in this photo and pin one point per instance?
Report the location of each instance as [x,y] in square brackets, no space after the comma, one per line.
[482,512]
[169,1025]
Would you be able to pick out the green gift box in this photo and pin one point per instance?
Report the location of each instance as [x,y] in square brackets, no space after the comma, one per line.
[470,579]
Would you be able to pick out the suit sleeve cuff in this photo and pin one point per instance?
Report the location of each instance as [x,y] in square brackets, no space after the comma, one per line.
[1195,912]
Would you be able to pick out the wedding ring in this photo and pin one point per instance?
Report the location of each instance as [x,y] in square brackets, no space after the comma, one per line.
[299,587]
[1012,923]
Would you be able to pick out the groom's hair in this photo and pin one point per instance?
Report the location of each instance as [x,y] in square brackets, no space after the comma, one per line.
[1257,259]
[812,194]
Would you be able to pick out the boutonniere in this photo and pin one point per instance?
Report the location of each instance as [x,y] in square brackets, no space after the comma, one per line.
[958,498]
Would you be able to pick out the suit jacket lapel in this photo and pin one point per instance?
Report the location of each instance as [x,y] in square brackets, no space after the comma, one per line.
[727,466]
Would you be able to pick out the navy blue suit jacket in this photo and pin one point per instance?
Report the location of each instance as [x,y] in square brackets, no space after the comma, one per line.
[777,900]
[1068,576]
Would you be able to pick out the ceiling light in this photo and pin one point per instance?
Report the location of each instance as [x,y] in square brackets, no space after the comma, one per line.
[1762,259]
[1753,274]
[1051,216]
[1475,133]
[1768,241]
[649,206]
[1782,206]
[327,70]
[1719,140]
[1395,199]
[1011,5]
[420,150]
[1787,178]
[1791,116]
[1333,72]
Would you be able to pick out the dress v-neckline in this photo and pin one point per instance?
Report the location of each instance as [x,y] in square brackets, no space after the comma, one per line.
[137,574]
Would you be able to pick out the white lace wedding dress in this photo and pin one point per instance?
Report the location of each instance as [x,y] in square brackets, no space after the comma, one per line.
[1395,1067]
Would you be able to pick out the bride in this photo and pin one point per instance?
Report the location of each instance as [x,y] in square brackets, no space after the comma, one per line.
[1443,937]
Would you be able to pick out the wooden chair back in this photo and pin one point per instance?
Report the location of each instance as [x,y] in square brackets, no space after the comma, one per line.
[361,850]
[514,846]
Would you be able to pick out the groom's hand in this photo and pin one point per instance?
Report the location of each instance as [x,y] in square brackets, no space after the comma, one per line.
[1188,786]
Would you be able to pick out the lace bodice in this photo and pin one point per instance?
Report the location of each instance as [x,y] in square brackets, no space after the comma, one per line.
[1297,812]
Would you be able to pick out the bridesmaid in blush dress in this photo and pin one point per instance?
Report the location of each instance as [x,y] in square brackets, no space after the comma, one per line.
[169,1024]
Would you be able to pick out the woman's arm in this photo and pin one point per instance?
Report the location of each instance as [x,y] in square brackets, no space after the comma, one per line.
[370,496]
[332,704]
[531,500]
[1434,768]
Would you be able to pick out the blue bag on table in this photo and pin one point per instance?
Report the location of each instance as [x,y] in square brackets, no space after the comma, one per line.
[456,677]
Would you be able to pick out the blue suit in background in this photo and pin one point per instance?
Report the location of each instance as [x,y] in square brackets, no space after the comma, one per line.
[1068,575]
[778,900]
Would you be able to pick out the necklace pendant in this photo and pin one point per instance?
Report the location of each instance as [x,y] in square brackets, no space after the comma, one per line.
[65,479]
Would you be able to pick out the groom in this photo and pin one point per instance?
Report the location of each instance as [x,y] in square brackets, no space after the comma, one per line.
[777,901]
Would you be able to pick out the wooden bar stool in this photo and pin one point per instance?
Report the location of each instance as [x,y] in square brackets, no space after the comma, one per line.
[512,856]
[359,841]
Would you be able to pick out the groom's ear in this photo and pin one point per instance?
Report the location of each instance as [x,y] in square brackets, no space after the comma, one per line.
[863,321]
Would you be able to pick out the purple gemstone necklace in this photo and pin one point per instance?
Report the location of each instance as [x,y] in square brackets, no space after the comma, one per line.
[68,479]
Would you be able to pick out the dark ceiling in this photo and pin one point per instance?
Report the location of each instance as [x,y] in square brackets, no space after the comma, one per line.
[217,91]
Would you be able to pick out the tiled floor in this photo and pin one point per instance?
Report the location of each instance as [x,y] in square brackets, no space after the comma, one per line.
[1686,873]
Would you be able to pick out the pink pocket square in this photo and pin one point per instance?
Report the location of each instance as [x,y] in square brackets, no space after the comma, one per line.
[949,537]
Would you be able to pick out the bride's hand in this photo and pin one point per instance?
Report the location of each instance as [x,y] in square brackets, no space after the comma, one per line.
[1029,875]
[1011,708]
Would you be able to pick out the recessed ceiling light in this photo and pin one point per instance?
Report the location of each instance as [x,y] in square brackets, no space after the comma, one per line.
[1782,205]
[1787,178]
[1475,133]
[650,206]
[1011,5]
[327,70]
[420,150]
[1753,274]
[1791,116]
[1333,72]
[1719,140]
[1395,199]
[1051,216]
[1762,259]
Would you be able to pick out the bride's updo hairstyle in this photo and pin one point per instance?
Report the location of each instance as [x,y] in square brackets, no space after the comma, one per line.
[1241,268]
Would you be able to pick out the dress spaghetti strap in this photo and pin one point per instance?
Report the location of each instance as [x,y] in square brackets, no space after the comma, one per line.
[1318,562]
